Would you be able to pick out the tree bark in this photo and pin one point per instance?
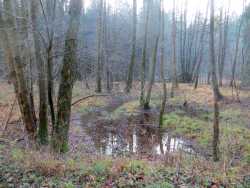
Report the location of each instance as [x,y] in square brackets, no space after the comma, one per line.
[232,82]
[215,86]
[51,16]
[43,119]
[152,74]
[10,34]
[60,137]
[164,85]
[174,67]
[99,49]
[217,94]
[216,133]
[132,60]
[146,5]
[223,49]
[200,51]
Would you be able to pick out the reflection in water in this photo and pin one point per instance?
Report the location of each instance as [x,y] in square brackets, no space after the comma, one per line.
[133,138]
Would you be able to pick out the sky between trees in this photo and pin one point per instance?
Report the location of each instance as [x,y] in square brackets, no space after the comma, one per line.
[236,6]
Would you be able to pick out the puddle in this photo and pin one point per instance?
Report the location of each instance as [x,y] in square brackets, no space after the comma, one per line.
[132,136]
[136,142]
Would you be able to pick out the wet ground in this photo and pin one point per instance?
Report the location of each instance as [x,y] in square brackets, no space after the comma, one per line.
[94,133]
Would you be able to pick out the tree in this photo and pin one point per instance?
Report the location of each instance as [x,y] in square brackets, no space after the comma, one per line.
[60,137]
[153,64]
[13,49]
[245,55]
[174,66]
[223,44]
[132,60]
[152,74]
[235,58]
[162,50]
[41,67]
[99,48]
[51,16]
[200,51]
[183,40]
[215,85]
[146,5]
[106,47]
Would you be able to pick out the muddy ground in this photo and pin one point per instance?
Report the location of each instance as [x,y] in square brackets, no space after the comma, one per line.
[112,135]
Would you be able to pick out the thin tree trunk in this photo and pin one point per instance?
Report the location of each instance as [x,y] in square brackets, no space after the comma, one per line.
[20,82]
[60,137]
[216,131]
[164,85]
[50,84]
[201,50]
[51,9]
[105,46]
[224,50]
[220,48]
[152,75]
[43,119]
[132,60]
[174,66]
[99,49]
[215,86]
[144,52]
[232,82]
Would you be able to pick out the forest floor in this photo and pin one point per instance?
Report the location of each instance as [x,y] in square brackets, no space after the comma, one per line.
[114,143]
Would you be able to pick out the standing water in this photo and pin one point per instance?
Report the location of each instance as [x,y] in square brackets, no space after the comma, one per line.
[130,136]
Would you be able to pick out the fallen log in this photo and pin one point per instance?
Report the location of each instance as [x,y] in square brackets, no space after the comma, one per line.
[87,97]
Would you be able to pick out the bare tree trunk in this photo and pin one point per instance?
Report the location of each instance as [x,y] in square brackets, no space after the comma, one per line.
[220,47]
[16,66]
[153,64]
[200,51]
[164,85]
[152,74]
[209,77]
[50,83]
[232,82]
[51,10]
[223,49]
[184,51]
[216,131]
[215,86]
[60,137]
[105,46]
[99,49]
[132,60]
[43,120]
[174,66]
[144,52]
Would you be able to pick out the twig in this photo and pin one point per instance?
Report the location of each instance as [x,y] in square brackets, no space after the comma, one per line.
[9,115]
[14,142]
[87,97]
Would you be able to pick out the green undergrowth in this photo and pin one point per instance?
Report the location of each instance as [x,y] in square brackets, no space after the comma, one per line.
[25,168]
[90,105]
[132,108]
[234,133]
[190,128]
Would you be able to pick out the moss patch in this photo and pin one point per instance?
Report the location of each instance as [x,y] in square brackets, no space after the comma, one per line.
[90,104]
[191,128]
[132,108]
[234,135]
